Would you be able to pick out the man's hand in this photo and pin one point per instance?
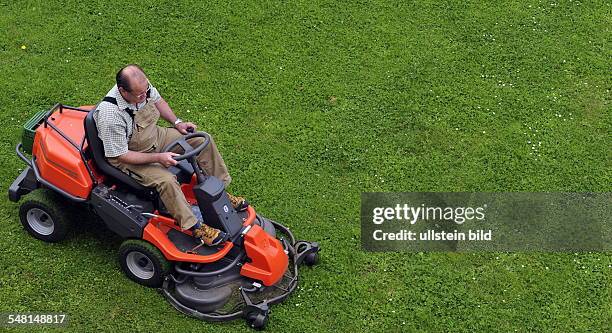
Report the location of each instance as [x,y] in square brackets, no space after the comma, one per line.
[182,127]
[166,159]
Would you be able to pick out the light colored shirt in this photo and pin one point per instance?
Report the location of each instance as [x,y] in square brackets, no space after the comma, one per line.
[115,125]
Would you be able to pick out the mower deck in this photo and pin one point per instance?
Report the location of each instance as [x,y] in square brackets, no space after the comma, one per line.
[219,293]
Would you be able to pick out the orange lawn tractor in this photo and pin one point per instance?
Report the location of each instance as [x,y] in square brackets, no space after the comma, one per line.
[256,266]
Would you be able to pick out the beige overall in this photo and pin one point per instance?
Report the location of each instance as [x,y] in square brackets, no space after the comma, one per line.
[147,137]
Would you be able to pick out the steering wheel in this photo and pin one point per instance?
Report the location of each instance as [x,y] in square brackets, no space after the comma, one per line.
[189,151]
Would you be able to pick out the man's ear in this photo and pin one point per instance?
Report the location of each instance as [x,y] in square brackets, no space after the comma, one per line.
[123,92]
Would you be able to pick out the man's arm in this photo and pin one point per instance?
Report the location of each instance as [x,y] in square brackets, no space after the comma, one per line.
[134,157]
[166,112]
[112,130]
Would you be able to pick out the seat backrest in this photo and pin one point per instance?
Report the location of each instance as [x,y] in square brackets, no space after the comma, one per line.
[97,152]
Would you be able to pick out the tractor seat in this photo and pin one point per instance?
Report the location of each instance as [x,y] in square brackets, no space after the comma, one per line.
[183,171]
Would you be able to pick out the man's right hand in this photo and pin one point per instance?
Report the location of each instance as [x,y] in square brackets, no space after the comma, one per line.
[166,159]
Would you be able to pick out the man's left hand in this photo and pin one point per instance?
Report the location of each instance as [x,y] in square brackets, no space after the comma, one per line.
[182,127]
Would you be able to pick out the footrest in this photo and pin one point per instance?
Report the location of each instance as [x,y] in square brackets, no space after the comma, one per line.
[186,243]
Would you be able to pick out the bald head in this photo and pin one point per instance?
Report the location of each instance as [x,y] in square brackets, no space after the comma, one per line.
[132,83]
[130,76]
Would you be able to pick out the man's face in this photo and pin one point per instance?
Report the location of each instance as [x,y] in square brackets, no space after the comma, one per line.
[138,93]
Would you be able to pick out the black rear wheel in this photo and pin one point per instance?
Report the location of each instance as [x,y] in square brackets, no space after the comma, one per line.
[143,263]
[41,215]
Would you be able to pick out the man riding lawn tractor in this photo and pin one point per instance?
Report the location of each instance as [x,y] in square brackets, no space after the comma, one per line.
[113,160]
[133,142]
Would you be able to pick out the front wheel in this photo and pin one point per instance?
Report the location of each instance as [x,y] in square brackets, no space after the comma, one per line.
[143,263]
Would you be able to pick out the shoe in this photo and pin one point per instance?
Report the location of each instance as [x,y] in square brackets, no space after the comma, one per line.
[209,235]
[239,203]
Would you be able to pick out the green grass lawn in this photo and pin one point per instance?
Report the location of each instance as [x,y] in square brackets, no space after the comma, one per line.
[312,103]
